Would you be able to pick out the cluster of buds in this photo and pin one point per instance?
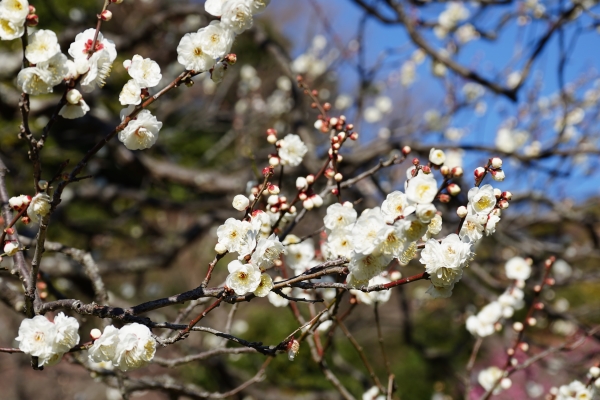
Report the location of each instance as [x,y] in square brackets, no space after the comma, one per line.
[450,173]
[309,199]
[277,203]
[32,19]
[494,168]
[20,205]
[502,199]
[271,137]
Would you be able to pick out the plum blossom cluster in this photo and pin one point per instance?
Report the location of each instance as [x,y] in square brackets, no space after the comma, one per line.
[13,16]
[199,51]
[494,377]
[31,209]
[256,254]
[575,390]
[47,340]
[486,322]
[127,348]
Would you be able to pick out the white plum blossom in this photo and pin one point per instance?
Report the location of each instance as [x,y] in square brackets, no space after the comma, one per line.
[135,348]
[487,378]
[10,30]
[131,94]
[339,244]
[396,206]
[472,229]
[11,248]
[291,150]
[39,206]
[390,240]
[575,390]
[265,286]
[214,7]
[422,188]
[444,261]
[434,227]
[518,268]
[104,348]
[73,111]
[36,338]
[216,39]
[242,278]
[57,69]
[233,234]
[373,394]
[144,71]
[267,251]
[339,216]
[82,45]
[425,212]
[99,64]
[141,132]
[437,156]
[240,202]
[191,54]
[366,229]
[440,292]
[490,226]
[43,44]
[482,199]
[237,15]
[363,267]
[14,10]
[67,335]
[299,255]
[482,324]
[379,296]
[47,340]
[32,81]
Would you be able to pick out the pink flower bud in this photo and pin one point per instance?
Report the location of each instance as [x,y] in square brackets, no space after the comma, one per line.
[426,169]
[354,136]
[503,204]
[32,20]
[106,15]
[406,150]
[506,195]
[231,58]
[457,172]
[479,172]
[273,189]
[31,9]
[531,321]
[444,198]
[453,189]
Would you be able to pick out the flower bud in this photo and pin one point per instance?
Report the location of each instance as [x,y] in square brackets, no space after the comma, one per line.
[240,202]
[479,172]
[595,372]
[496,162]
[272,200]
[524,346]
[498,175]
[293,210]
[106,15]
[318,124]
[444,198]
[505,383]
[274,161]
[317,200]
[348,204]
[31,9]
[518,326]
[457,172]
[231,58]
[11,248]
[272,139]
[453,189]
[95,334]
[32,20]
[273,189]
[339,158]
[333,121]
[506,195]
[354,136]
[445,170]
[395,275]
[497,193]
[301,183]
[308,204]
[74,96]
[462,211]
[302,196]
[329,173]
[503,204]
[220,249]
[310,179]
[406,150]
[127,64]
[338,177]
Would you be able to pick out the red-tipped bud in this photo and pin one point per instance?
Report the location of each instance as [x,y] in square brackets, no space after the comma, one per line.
[31,9]
[453,189]
[231,58]
[416,161]
[335,192]
[479,173]
[106,15]
[457,172]
[426,169]
[354,136]
[32,20]
[406,150]
[327,106]
[329,173]
[10,231]
[267,171]
[444,198]
[506,195]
